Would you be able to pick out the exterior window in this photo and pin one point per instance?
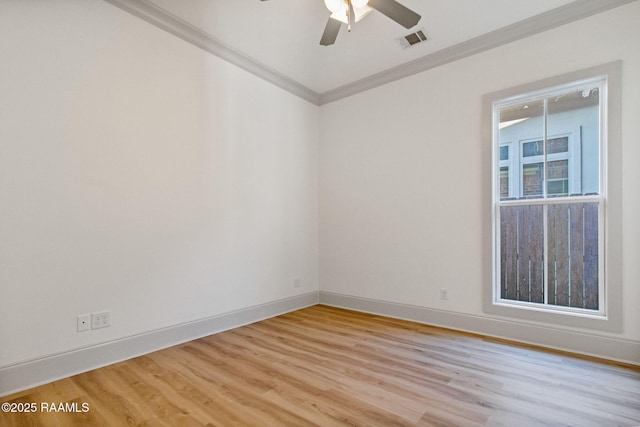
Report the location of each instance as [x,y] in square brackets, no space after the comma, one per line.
[504,182]
[557,154]
[549,202]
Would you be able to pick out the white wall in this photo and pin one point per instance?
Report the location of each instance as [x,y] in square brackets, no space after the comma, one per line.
[401,173]
[141,175]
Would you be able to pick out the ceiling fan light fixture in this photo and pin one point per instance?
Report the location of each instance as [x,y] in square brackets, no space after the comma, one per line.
[350,11]
[361,12]
[359,3]
[334,5]
[358,13]
[340,14]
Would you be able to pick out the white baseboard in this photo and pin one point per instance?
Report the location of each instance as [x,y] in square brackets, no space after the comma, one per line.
[26,375]
[615,349]
[15,378]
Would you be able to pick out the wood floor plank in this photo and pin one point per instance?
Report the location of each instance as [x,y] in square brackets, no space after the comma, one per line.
[324,366]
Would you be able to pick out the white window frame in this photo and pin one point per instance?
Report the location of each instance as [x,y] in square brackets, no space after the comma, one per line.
[512,174]
[544,200]
[609,315]
[516,161]
[572,155]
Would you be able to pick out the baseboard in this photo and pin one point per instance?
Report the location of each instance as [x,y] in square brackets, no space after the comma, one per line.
[30,374]
[595,345]
[26,375]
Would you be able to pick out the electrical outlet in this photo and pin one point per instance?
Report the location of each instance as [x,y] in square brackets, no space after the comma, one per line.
[101,319]
[444,294]
[84,322]
[296,282]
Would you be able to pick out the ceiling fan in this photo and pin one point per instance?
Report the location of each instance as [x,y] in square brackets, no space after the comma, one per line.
[348,11]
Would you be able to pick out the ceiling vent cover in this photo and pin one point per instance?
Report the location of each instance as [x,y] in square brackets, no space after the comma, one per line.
[413,39]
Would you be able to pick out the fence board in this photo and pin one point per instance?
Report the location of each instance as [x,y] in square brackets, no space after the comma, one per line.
[591,255]
[535,216]
[523,255]
[509,251]
[530,251]
[551,255]
[557,246]
[576,255]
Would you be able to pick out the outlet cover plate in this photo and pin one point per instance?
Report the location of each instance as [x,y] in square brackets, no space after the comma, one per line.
[84,322]
[101,319]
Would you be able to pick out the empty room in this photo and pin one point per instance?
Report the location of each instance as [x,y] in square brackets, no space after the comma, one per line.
[319,212]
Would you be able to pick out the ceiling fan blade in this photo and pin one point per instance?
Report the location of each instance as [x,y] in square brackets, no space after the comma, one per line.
[394,10]
[330,32]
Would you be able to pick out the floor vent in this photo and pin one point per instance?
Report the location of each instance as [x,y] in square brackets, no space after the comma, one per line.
[413,39]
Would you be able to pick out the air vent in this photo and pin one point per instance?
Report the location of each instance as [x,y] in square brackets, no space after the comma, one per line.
[413,39]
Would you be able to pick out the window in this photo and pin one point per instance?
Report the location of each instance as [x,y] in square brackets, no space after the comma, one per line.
[551,171]
[557,165]
[549,249]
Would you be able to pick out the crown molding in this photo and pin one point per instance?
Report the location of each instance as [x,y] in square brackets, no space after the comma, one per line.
[551,19]
[170,23]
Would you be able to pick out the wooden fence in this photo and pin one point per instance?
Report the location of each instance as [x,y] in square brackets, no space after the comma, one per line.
[572,247]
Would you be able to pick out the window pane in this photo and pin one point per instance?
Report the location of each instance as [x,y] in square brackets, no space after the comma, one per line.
[532,176]
[554,146]
[518,123]
[504,182]
[572,247]
[504,153]
[558,188]
[515,114]
[558,145]
[533,148]
[576,112]
[558,178]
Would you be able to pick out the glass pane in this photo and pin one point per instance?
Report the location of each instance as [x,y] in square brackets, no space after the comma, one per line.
[558,188]
[554,146]
[572,261]
[557,145]
[518,123]
[517,114]
[575,114]
[558,178]
[532,177]
[504,182]
[533,148]
[504,153]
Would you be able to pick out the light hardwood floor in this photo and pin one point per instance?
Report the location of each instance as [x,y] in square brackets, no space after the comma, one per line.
[326,366]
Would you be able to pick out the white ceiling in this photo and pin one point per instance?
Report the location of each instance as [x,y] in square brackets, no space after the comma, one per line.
[282,36]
